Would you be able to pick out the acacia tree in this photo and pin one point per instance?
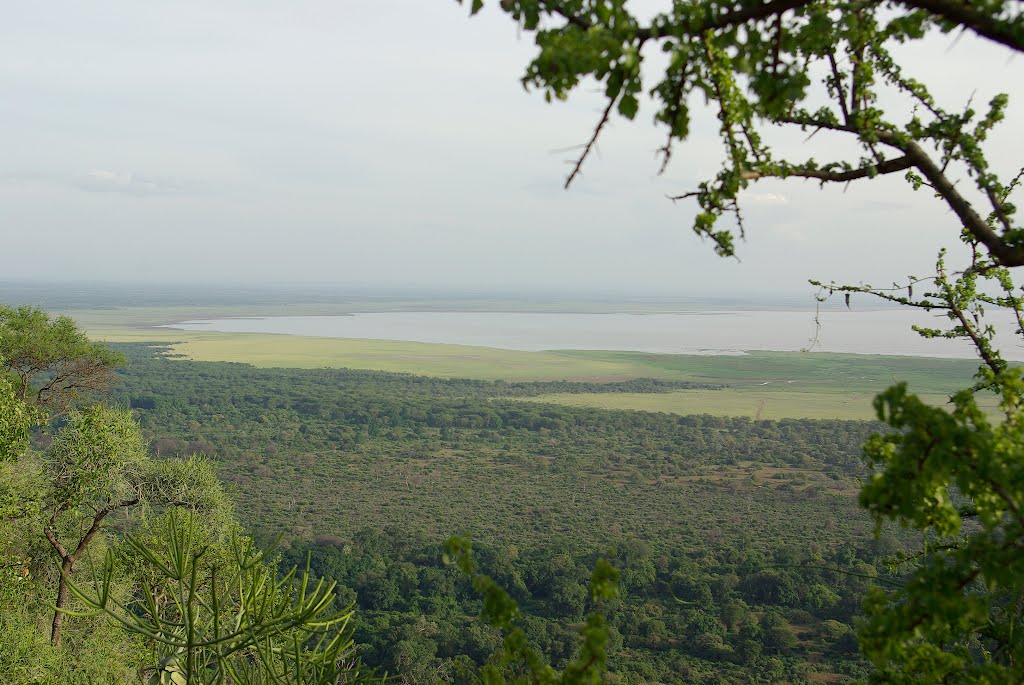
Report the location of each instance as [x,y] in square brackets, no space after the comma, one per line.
[97,465]
[53,361]
[823,66]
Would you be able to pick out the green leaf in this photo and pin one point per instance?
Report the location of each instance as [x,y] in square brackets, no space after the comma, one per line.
[628,106]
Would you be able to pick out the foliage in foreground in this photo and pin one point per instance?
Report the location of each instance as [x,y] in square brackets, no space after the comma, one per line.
[178,596]
[957,475]
[230,620]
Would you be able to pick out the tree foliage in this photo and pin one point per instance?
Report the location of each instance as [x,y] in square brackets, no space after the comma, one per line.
[957,475]
[53,361]
[97,465]
[235,620]
[815,65]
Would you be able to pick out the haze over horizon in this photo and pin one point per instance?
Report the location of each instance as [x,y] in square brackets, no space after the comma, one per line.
[390,144]
[88,294]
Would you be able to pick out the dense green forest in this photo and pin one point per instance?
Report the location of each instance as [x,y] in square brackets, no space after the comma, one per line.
[743,553]
[442,456]
[740,552]
[734,615]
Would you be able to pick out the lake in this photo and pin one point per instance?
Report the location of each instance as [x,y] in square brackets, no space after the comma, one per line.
[700,332]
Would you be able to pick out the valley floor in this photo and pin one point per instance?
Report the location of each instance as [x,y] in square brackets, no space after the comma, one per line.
[768,385]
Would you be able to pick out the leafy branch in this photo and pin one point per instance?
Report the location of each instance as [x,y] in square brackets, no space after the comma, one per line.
[752,59]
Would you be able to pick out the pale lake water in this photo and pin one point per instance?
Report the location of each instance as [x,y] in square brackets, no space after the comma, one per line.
[703,332]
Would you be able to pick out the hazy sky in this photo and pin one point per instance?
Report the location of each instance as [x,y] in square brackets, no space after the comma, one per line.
[389,142]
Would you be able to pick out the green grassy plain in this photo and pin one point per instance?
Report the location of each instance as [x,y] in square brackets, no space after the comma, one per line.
[425,359]
[800,371]
[766,384]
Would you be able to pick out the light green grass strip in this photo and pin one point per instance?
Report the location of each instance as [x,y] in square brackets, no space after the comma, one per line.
[769,384]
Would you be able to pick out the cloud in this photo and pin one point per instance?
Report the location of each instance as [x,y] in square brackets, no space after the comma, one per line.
[103,181]
[756,198]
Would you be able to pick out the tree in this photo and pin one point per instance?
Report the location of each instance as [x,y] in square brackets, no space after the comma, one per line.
[955,473]
[97,465]
[54,362]
[208,606]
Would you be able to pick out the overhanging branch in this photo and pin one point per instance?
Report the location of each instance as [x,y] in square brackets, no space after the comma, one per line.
[888,166]
[1003,252]
[1005,32]
[1008,33]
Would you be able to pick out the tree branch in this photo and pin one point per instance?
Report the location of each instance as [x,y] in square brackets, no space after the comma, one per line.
[840,89]
[577,21]
[678,92]
[816,123]
[593,140]
[722,21]
[1008,33]
[52,537]
[1003,252]
[750,13]
[888,166]
[984,349]
[97,520]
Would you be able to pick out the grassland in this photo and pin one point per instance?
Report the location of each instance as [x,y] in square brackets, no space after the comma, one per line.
[426,359]
[766,384]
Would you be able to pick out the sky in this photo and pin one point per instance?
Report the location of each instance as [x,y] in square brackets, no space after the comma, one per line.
[390,143]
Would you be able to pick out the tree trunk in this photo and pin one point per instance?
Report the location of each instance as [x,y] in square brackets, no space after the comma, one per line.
[67,561]
[62,599]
